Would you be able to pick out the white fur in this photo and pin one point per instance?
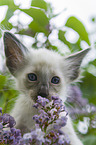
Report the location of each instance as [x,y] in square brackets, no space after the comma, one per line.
[23,109]
[23,112]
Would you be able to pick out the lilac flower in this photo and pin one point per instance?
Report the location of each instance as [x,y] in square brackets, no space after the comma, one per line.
[1,126]
[63,139]
[40,134]
[79,106]
[48,116]
[55,98]
[36,105]
[1,118]
[9,120]
[52,136]
[35,136]
[41,119]
[75,96]
[61,122]
[53,112]
[27,138]
[42,101]
[0,110]
[11,136]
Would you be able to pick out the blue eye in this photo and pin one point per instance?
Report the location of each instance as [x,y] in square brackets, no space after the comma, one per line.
[32,77]
[55,80]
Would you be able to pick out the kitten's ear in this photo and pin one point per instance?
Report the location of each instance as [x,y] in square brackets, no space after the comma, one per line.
[14,51]
[72,64]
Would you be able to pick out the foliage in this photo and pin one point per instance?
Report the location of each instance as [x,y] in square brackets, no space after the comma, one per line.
[82,110]
[7,93]
[41,14]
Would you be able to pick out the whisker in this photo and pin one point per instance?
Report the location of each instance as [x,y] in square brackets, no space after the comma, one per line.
[68,104]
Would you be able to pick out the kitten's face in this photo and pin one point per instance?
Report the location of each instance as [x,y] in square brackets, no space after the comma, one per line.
[40,72]
[42,75]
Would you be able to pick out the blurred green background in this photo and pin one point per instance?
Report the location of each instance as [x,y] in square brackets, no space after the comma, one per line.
[36,31]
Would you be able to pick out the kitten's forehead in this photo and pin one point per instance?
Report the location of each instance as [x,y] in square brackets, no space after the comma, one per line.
[44,63]
[43,58]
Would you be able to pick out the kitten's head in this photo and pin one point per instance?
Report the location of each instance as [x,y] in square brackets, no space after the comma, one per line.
[40,72]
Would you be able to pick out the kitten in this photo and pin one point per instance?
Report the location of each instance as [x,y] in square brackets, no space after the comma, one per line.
[39,72]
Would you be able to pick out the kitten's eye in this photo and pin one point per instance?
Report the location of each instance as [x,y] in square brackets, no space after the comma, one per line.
[32,77]
[55,80]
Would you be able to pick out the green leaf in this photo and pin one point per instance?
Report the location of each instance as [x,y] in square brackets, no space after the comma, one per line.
[9,3]
[28,32]
[40,4]
[40,21]
[90,140]
[1,100]
[6,2]
[61,36]
[54,48]
[9,99]
[0,33]
[38,15]
[35,27]
[93,62]
[11,8]
[7,93]
[9,14]
[76,25]
[73,46]
[6,25]
[94,19]
[2,81]
[88,87]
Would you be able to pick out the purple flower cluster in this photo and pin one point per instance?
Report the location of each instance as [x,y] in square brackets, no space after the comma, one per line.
[79,106]
[49,115]
[47,127]
[75,96]
[11,135]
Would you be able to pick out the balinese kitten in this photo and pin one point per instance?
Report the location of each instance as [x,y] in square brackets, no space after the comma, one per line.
[39,72]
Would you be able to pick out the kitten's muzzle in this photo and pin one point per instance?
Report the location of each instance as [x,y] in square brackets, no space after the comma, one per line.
[43,91]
